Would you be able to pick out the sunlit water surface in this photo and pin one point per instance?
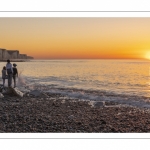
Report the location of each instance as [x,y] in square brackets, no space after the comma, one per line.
[124,81]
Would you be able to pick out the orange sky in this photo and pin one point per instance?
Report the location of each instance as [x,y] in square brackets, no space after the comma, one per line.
[77,37]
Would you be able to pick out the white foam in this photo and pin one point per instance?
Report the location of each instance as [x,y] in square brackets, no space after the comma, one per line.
[121,99]
[21,79]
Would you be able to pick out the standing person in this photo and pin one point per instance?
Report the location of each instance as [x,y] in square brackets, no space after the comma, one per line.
[4,76]
[9,72]
[15,74]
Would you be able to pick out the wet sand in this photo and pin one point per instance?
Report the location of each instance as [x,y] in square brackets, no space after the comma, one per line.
[54,113]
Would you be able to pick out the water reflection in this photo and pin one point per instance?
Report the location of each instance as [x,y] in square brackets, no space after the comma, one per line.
[131,77]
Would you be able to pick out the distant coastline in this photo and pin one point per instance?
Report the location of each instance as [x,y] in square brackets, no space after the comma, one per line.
[16,60]
[13,55]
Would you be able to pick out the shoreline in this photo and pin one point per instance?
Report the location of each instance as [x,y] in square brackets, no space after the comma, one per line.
[55,113]
[15,60]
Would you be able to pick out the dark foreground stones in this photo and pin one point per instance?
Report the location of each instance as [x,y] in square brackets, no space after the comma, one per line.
[58,114]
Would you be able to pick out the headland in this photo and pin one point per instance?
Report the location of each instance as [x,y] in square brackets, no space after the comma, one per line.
[14,55]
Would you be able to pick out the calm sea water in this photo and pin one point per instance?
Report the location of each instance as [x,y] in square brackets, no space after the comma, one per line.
[124,81]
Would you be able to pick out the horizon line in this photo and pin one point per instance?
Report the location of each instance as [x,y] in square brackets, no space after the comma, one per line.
[74,11]
[95,58]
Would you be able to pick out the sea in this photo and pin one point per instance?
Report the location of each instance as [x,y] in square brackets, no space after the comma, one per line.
[123,81]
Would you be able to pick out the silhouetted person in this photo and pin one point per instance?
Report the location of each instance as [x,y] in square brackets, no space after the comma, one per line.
[4,75]
[9,72]
[15,74]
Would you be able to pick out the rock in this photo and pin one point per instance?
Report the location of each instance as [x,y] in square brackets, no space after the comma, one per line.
[35,93]
[45,95]
[12,91]
[55,104]
[38,93]
[6,90]
[17,92]
[1,87]
[63,101]
[91,103]
[71,117]
[3,91]
[99,104]
[1,95]
[103,121]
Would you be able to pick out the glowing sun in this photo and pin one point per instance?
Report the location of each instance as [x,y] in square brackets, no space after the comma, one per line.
[147,55]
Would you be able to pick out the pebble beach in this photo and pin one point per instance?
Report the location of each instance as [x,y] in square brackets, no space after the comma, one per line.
[54,113]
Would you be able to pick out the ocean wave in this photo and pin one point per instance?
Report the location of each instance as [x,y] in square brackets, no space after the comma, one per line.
[94,95]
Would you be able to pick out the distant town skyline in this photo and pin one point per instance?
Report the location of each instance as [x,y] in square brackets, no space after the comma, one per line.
[77,38]
[13,55]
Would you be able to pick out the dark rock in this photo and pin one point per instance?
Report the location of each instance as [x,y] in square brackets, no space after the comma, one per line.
[35,93]
[99,104]
[103,121]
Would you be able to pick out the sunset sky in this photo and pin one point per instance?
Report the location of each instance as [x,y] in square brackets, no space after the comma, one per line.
[60,38]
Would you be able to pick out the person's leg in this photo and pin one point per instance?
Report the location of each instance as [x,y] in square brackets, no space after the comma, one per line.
[8,80]
[11,79]
[14,78]
[3,82]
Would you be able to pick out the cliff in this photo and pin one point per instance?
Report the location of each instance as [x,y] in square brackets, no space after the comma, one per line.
[12,54]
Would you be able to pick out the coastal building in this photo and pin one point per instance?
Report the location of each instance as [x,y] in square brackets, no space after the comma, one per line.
[22,56]
[29,57]
[12,54]
[1,53]
[4,54]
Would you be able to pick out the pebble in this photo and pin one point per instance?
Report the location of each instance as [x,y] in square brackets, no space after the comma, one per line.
[71,117]
[1,95]
[40,114]
[99,104]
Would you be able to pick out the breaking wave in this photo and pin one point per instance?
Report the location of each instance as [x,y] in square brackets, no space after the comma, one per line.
[83,94]
[122,81]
